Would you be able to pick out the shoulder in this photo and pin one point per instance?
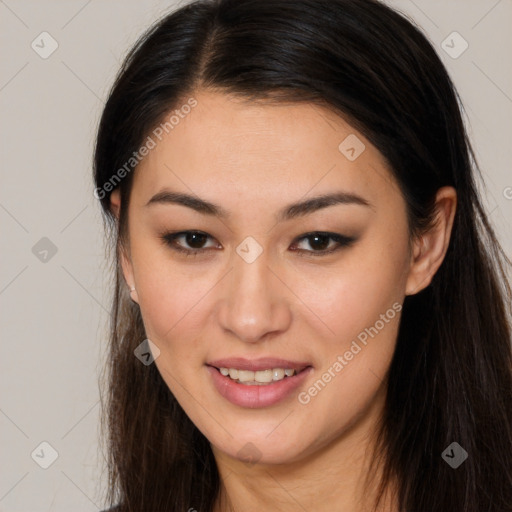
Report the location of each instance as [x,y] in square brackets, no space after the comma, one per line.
[116,508]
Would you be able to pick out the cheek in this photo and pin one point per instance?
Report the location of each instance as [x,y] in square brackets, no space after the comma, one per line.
[363,311]
[352,296]
[173,313]
[170,295]
[363,308]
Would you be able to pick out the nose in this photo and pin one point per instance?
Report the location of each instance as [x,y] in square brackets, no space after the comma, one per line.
[254,301]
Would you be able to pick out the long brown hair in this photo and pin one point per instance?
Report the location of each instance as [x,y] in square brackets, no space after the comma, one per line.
[451,376]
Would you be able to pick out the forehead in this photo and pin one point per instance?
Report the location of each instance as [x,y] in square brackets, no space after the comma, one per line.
[259,150]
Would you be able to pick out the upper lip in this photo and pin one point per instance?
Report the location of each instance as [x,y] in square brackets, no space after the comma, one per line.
[263,363]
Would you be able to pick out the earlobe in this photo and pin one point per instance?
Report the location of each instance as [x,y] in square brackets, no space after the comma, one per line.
[127,270]
[430,248]
[115,202]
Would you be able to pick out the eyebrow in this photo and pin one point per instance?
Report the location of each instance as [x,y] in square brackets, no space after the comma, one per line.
[292,211]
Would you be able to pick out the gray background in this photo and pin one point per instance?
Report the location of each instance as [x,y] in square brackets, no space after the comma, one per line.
[54,307]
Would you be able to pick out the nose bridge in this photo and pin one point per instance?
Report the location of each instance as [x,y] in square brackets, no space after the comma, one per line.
[254,302]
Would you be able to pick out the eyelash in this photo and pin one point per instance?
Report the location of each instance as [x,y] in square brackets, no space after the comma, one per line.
[341,240]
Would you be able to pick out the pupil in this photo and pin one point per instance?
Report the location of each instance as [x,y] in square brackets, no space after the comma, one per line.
[321,245]
[192,240]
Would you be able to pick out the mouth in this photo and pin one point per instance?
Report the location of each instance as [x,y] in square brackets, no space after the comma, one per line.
[257,383]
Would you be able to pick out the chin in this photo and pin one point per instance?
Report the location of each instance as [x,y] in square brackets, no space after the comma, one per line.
[286,448]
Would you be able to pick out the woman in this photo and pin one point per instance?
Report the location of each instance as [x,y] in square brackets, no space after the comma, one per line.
[311,309]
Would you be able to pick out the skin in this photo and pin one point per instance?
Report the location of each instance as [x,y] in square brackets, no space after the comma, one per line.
[254,159]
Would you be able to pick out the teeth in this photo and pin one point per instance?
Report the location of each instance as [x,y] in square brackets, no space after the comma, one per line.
[278,374]
[263,376]
[243,375]
[258,377]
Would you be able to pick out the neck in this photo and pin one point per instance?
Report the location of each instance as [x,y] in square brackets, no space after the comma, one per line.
[336,477]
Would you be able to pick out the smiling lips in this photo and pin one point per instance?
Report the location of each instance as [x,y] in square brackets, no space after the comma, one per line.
[257,383]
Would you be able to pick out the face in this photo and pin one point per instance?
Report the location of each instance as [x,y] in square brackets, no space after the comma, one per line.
[267,287]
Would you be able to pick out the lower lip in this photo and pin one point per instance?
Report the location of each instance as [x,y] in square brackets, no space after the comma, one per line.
[255,396]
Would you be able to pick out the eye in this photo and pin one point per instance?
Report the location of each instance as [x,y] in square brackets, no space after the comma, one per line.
[319,241]
[195,240]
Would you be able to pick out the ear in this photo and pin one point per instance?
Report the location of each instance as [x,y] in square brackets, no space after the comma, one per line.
[125,260]
[430,248]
